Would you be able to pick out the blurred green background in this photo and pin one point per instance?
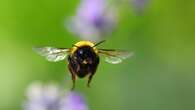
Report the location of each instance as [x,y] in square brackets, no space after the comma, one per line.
[161,75]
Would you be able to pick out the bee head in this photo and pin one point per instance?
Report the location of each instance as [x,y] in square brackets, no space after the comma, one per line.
[81,44]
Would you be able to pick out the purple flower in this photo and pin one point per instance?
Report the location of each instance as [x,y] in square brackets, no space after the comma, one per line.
[73,101]
[51,97]
[94,19]
[139,5]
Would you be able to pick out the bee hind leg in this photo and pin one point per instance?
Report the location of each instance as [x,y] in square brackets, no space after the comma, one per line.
[73,81]
[89,80]
[73,77]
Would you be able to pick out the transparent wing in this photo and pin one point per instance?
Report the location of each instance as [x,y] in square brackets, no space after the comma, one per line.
[52,54]
[115,56]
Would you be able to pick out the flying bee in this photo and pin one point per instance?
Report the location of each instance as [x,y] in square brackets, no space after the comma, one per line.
[83,58]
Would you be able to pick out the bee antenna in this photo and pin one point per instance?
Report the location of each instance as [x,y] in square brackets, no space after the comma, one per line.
[75,46]
[99,43]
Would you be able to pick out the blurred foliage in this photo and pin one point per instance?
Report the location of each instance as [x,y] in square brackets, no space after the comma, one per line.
[160,76]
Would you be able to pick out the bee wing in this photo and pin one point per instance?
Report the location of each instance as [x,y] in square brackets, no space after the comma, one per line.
[115,56]
[52,54]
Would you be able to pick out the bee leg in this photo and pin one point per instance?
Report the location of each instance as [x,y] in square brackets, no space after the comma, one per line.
[73,77]
[89,80]
[73,80]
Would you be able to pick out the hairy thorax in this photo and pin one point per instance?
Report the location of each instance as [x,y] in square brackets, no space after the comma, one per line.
[84,61]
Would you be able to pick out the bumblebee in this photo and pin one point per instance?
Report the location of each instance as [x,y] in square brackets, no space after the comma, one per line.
[83,58]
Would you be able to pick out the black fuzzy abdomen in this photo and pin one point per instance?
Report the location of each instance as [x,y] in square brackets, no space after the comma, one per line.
[84,61]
